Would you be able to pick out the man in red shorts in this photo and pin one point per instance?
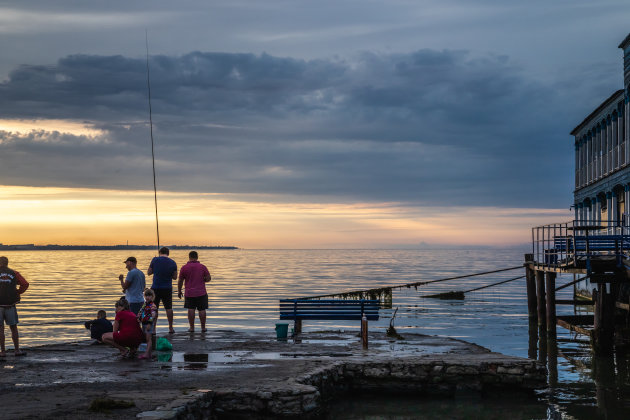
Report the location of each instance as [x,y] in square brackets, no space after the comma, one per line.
[194,276]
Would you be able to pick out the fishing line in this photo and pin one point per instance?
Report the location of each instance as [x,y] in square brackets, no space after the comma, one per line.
[157,224]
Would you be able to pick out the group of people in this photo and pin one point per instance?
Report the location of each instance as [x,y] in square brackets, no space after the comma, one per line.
[136,312]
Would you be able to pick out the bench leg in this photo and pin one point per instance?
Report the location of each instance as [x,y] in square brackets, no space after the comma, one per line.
[297,328]
[364,333]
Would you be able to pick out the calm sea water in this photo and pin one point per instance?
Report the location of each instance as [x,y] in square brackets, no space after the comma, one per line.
[68,287]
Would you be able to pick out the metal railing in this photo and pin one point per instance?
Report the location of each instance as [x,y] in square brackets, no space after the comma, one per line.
[571,244]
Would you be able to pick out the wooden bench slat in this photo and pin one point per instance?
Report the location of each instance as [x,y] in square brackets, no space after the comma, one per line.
[331,313]
[329,309]
[331,317]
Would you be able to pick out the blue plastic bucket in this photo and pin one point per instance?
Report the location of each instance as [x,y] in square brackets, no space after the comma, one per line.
[281,331]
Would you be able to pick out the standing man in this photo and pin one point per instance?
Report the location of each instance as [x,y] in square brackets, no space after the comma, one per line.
[164,271]
[12,285]
[194,277]
[133,285]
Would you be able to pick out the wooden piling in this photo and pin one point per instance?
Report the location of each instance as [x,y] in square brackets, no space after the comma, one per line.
[540,297]
[532,351]
[364,332]
[387,301]
[530,278]
[542,344]
[552,361]
[551,303]
[604,318]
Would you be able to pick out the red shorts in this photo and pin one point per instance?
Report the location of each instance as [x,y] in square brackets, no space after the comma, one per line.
[126,340]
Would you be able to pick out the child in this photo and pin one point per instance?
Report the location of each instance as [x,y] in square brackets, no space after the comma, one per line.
[147,316]
[99,326]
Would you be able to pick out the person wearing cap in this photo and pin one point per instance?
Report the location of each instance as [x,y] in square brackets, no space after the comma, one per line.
[133,285]
[164,271]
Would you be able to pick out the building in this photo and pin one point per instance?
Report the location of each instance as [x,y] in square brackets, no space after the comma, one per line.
[595,246]
[602,158]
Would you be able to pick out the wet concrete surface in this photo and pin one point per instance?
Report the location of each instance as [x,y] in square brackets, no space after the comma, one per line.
[62,380]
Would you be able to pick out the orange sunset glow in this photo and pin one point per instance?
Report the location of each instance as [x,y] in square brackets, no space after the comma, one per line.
[89,216]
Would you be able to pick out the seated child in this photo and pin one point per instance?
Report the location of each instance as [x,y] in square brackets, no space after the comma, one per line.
[99,326]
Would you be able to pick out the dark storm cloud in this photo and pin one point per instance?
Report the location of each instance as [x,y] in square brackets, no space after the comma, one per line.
[436,127]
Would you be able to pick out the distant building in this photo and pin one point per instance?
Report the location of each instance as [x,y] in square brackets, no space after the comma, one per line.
[602,157]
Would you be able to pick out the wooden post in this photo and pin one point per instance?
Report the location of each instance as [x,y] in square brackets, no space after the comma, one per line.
[542,344]
[552,361]
[604,374]
[297,327]
[530,278]
[551,303]
[364,332]
[540,297]
[532,351]
[603,328]
[387,299]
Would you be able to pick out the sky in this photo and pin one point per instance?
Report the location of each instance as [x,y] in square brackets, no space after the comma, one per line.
[297,124]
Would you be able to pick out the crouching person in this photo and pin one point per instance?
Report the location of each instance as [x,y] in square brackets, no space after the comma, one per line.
[127,334]
[99,326]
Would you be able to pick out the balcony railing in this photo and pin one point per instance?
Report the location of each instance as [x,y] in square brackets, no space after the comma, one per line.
[573,244]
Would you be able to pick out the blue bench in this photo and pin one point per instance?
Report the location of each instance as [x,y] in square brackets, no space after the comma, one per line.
[566,247]
[328,309]
[595,243]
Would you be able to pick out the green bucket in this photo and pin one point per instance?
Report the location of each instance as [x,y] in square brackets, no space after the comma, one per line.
[281,331]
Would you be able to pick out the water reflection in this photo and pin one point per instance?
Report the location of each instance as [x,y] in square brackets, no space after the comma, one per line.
[603,384]
[379,406]
[68,287]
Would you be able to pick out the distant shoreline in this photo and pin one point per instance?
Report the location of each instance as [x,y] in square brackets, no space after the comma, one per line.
[33,247]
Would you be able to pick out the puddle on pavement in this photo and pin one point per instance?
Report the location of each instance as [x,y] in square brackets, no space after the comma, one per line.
[278,355]
[221,357]
[200,361]
[328,343]
[409,349]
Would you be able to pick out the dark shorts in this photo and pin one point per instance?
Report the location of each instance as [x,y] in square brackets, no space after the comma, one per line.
[199,303]
[135,307]
[8,315]
[165,296]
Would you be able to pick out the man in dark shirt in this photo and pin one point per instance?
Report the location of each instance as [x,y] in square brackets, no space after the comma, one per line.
[164,271]
[12,285]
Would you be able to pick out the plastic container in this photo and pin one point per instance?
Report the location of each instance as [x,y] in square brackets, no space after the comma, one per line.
[282,330]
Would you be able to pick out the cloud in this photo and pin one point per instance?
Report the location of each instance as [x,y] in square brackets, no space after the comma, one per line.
[432,127]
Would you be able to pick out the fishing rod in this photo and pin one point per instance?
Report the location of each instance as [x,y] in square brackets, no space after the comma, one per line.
[157,224]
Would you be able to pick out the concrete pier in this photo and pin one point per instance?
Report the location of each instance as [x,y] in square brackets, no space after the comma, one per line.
[226,374]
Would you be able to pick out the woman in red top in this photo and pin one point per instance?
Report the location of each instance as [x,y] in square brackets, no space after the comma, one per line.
[127,334]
